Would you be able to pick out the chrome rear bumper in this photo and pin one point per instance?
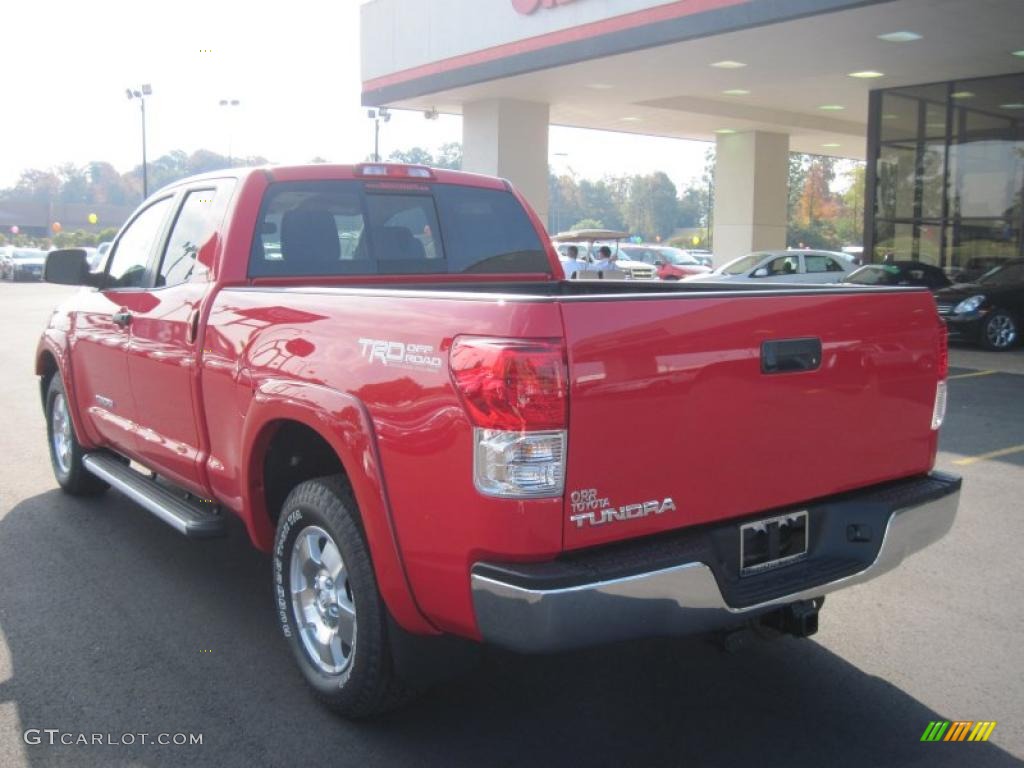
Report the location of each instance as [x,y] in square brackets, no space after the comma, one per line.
[681,599]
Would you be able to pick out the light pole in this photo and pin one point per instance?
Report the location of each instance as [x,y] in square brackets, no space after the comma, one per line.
[231,125]
[141,94]
[382,113]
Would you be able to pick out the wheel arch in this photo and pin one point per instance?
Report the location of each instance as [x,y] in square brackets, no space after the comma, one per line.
[51,360]
[283,412]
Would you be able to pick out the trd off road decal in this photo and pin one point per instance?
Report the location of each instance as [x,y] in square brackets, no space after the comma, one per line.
[397,354]
[590,509]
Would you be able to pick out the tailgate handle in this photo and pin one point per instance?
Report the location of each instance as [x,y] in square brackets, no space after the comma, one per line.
[790,355]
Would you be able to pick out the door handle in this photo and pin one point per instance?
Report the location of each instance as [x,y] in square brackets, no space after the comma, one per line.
[790,355]
[122,318]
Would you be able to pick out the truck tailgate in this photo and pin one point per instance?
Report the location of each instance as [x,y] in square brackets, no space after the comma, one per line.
[668,401]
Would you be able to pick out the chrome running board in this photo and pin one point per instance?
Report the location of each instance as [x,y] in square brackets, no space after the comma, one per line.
[185,517]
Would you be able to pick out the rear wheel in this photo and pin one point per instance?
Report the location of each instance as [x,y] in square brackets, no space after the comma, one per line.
[65,451]
[1000,331]
[328,605]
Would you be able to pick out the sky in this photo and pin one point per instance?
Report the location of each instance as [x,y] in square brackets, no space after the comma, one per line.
[293,67]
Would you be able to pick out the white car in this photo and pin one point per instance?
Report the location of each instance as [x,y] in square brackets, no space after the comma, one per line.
[782,267]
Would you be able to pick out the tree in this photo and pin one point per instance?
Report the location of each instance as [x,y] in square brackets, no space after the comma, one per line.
[707,180]
[587,224]
[850,226]
[413,156]
[563,202]
[205,160]
[652,210]
[814,210]
[816,203]
[596,202]
[797,176]
[692,207]
[450,156]
[74,184]
[37,185]
[107,185]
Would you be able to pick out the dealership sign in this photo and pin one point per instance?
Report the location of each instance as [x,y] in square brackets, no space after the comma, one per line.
[526,7]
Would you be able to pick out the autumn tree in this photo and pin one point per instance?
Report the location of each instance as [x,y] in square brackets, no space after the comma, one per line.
[816,202]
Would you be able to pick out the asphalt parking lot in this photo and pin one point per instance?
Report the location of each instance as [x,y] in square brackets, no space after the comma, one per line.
[112,623]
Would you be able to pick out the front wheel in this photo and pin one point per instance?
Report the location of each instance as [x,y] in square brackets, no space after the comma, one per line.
[1000,331]
[65,451]
[328,605]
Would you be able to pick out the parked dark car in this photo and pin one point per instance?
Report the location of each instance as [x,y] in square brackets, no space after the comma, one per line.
[989,311]
[975,268]
[900,273]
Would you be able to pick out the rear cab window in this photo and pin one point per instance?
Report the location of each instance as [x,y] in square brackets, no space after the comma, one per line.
[334,228]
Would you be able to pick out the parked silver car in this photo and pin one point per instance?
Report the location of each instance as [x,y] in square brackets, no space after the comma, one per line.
[782,267]
[23,264]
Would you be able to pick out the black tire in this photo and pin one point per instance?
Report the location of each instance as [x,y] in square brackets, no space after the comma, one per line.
[72,476]
[367,684]
[1001,331]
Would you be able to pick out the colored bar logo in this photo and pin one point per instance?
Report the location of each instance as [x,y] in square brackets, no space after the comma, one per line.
[958,730]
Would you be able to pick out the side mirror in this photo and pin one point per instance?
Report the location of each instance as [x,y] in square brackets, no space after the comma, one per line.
[762,272]
[69,266]
[659,263]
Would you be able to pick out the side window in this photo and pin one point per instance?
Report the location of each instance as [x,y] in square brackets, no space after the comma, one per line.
[200,215]
[783,265]
[130,262]
[817,264]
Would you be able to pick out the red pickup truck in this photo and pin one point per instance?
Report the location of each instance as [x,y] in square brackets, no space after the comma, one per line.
[382,372]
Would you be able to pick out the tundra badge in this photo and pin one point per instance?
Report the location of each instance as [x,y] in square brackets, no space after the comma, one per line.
[588,509]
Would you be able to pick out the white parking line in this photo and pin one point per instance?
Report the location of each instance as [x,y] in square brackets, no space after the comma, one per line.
[972,374]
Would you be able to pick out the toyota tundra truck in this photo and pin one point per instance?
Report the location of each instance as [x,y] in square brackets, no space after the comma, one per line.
[381,371]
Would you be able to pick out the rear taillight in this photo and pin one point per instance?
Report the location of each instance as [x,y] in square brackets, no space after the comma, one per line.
[511,384]
[942,369]
[515,394]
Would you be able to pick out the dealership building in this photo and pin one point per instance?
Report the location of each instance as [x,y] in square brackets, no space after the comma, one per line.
[929,92]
